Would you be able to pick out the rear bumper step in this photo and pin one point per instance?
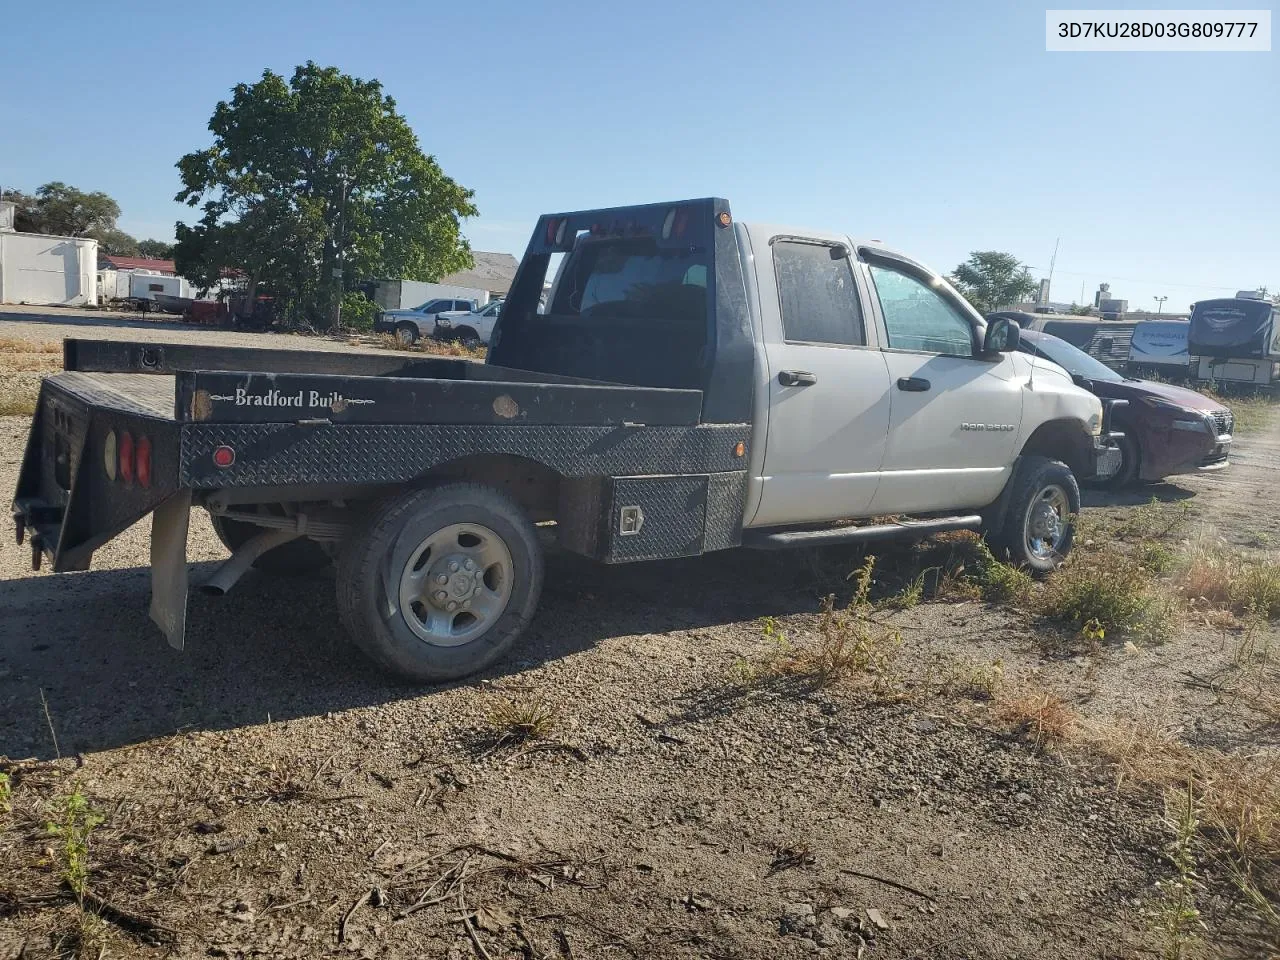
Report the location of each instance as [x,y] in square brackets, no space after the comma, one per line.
[830,536]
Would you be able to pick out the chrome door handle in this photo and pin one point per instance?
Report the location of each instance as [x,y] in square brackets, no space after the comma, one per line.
[797,378]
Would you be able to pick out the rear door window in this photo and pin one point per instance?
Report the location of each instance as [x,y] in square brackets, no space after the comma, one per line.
[817,294]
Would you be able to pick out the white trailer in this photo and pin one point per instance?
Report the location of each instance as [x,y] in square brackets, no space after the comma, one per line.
[144,285]
[407,294]
[48,271]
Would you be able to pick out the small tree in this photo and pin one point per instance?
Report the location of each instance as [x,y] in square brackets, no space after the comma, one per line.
[990,280]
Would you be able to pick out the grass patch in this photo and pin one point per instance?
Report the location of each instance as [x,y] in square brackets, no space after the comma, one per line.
[433,347]
[18,396]
[846,645]
[978,681]
[16,345]
[1108,593]
[1235,815]
[1246,585]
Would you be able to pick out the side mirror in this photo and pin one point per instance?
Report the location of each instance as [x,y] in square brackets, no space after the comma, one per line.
[1002,336]
[1084,383]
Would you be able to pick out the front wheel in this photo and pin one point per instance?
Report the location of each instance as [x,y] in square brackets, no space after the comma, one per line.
[440,583]
[1039,523]
[407,334]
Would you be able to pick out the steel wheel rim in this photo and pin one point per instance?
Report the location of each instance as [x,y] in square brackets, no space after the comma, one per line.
[404,336]
[455,585]
[1047,521]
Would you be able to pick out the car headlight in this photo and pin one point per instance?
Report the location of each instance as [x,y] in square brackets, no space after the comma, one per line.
[1194,424]
[1094,424]
[443,322]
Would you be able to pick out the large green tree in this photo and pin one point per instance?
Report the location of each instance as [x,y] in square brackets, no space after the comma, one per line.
[313,184]
[71,212]
[990,280]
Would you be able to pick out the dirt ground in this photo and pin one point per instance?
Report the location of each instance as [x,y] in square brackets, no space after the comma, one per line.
[268,793]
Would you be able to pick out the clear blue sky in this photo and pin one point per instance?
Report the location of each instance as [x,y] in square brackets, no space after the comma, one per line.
[937,128]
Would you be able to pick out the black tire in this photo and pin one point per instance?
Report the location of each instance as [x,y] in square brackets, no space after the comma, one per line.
[1130,464]
[372,561]
[466,335]
[1034,477]
[293,559]
[407,334]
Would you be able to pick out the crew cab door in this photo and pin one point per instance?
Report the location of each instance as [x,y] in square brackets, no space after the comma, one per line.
[827,393]
[955,414]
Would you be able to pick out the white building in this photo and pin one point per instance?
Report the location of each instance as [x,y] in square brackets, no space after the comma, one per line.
[46,270]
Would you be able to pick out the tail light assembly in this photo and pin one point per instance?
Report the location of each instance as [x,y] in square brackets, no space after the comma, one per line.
[127,459]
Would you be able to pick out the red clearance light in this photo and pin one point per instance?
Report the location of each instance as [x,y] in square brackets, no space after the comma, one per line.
[223,457]
[142,462]
[126,456]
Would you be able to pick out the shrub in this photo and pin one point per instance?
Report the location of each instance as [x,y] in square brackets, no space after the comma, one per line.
[358,311]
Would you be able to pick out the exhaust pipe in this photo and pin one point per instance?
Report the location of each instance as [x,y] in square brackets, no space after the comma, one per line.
[225,577]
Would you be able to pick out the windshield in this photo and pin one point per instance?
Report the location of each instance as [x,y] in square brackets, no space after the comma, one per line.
[1076,362]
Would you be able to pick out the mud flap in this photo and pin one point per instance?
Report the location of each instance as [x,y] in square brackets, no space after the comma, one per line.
[169,567]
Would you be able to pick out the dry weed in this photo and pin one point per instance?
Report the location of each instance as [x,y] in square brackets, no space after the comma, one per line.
[18,345]
[1042,716]
[524,718]
[1219,577]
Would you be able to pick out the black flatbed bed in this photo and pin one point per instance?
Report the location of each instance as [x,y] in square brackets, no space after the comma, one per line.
[192,384]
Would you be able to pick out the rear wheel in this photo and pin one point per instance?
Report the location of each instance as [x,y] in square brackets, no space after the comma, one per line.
[407,334]
[1039,524]
[295,558]
[440,583]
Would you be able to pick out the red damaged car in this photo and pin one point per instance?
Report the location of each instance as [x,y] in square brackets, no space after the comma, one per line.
[1167,429]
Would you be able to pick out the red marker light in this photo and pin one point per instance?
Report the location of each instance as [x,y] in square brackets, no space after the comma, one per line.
[142,462]
[126,456]
[223,457]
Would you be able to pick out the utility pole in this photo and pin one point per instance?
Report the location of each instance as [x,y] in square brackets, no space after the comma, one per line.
[1159,304]
[1052,261]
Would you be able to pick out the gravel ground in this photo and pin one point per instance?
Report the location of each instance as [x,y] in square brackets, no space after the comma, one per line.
[268,793]
[53,324]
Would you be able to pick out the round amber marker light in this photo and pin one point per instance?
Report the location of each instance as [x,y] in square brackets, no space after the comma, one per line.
[724,218]
[740,449]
